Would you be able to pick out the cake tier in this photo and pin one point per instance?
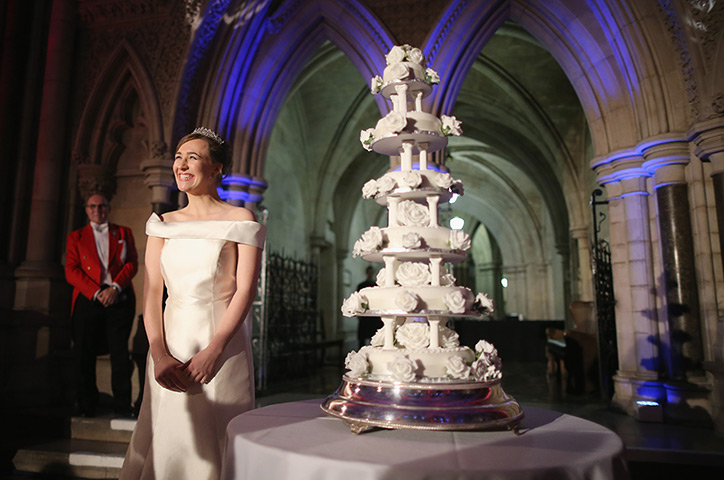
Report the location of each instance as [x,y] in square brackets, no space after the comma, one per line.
[411,74]
[432,241]
[420,127]
[430,361]
[450,301]
[413,185]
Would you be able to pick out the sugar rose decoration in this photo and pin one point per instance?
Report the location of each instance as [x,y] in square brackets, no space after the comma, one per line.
[386,184]
[457,367]
[455,301]
[398,71]
[488,366]
[449,338]
[376,84]
[397,54]
[393,122]
[369,189]
[412,240]
[413,336]
[432,77]
[366,137]
[356,303]
[403,369]
[459,240]
[443,180]
[356,363]
[413,274]
[407,301]
[451,125]
[447,280]
[381,279]
[370,241]
[378,339]
[412,214]
[411,179]
[484,304]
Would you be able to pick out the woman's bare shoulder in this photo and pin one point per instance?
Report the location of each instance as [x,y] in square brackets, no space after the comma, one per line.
[240,214]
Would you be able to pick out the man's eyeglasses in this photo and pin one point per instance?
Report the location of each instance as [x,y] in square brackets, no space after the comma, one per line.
[93,206]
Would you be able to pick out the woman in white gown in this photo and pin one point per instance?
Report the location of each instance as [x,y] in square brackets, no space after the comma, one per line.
[200,372]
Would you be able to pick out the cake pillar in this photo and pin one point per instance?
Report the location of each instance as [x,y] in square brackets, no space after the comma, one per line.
[406,156]
[423,155]
[392,204]
[401,99]
[389,332]
[418,102]
[434,332]
[389,270]
[435,263]
[432,202]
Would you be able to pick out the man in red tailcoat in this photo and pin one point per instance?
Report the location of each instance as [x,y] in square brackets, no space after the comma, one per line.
[100,262]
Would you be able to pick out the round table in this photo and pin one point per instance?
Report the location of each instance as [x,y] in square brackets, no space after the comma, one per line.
[298,441]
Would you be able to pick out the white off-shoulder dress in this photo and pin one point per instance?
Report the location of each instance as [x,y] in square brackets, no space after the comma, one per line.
[181,435]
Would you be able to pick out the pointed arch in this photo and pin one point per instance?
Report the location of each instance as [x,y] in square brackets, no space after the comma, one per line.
[257,73]
[123,76]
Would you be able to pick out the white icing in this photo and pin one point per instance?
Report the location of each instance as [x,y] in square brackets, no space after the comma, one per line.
[430,362]
[382,299]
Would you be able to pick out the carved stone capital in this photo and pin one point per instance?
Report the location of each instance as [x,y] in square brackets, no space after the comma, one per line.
[158,172]
[95,179]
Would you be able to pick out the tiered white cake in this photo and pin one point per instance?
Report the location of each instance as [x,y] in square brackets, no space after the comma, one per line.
[415,356]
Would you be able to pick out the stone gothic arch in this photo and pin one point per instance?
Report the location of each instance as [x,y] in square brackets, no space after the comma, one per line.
[123,94]
[257,72]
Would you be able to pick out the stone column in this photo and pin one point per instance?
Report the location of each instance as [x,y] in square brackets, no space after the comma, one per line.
[667,159]
[158,171]
[585,275]
[40,285]
[637,332]
[243,190]
[708,140]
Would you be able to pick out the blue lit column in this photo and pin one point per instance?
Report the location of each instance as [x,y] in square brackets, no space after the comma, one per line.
[667,157]
[242,190]
[637,328]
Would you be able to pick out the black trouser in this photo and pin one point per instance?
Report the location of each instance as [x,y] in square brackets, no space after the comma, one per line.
[94,328]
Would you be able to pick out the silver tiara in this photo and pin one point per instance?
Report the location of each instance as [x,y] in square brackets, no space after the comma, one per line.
[208,133]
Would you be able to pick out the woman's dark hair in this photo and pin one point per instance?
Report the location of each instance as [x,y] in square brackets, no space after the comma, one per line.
[219,151]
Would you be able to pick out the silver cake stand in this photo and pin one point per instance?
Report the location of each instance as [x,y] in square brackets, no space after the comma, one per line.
[368,404]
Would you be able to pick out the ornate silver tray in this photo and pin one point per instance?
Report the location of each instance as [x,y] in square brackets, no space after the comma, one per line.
[369,404]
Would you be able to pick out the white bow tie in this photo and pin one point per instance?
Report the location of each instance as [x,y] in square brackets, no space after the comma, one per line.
[100,227]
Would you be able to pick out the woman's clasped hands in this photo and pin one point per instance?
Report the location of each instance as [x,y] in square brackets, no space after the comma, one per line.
[173,375]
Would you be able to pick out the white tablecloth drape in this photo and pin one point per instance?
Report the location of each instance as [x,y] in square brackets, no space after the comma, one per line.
[298,441]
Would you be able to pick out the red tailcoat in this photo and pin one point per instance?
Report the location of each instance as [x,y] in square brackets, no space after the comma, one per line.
[83,267]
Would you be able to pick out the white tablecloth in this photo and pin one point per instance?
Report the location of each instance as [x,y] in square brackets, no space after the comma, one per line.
[298,441]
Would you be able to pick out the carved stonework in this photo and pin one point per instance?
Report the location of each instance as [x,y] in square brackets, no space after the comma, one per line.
[94,13]
[280,17]
[717,104]
[706,23]
[679,36]
[157,149]
[93,179]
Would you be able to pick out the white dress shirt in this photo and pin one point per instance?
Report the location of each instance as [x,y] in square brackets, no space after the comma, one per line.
[100,233]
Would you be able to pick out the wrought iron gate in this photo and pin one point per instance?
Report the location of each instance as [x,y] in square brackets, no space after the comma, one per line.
[286,320]
[605,302]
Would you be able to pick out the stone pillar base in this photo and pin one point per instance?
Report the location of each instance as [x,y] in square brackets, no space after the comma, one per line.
[688,402]
[42,288]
